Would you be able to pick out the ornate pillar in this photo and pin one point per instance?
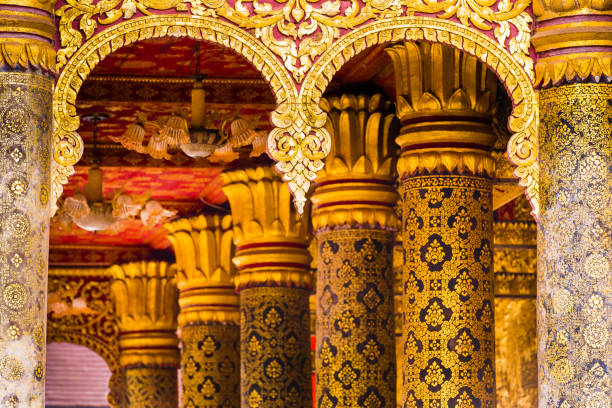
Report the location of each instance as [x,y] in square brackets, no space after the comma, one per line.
[445,103]
[27,59]
[573,70]
[145,301]
[209,319]
[354,221]
[274,284]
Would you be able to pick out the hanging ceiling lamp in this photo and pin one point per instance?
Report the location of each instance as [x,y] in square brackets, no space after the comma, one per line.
[88,210]
[200,140]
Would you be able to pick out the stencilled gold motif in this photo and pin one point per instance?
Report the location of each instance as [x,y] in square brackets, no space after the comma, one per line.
[575,245]
[355,355]
[448,331]
[25,121]
[210,365]
[151,387]
[275,352]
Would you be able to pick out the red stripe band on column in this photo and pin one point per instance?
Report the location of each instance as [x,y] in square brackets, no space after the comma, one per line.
[458,145]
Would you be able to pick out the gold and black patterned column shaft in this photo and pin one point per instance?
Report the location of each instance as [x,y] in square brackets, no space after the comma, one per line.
[145,301]
[275,347]
[274,284]
[575,246]
[209,319]
[27,59]
[210,365]
[150,387]
[355,222]
[446,170]
[355,327]
[448,334]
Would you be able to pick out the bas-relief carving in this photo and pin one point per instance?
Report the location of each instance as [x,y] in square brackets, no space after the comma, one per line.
[298,46]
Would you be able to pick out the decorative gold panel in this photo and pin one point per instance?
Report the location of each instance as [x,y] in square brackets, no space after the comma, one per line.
[275,347]
[516,365]
[210,365]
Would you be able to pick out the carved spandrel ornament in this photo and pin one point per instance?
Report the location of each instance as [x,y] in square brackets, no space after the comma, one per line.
[299,45]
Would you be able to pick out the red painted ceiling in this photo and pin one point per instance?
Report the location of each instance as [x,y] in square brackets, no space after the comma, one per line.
[153,77]
[175,57]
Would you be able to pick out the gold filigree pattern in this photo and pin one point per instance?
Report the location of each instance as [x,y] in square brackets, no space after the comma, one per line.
[25,123]
[574,244]
[355,357]
[275,356]
[299,31]
[448,333]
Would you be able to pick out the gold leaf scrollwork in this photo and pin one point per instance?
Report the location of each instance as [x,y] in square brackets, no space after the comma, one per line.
[299,157]
[300,31]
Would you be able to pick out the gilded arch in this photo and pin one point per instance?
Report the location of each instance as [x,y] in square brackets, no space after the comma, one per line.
[522,147]
[68,146]
[298,45]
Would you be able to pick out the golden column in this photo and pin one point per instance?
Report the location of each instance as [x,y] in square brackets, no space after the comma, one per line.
[27,59]
[145,301]
[209,319]
[274,284]
[573,41]
[445,103]
[354,221]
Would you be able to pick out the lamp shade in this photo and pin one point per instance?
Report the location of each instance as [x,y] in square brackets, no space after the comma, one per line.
[99,218]
[200,143]
[76,206]
[158,147]
[241,133]
[133,138]
[124,207]
[175,131]
[153,214]
[260,144]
